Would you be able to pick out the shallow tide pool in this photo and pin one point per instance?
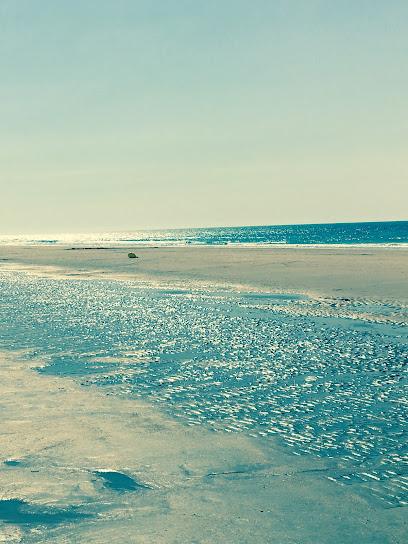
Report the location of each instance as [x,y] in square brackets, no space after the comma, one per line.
[267,365]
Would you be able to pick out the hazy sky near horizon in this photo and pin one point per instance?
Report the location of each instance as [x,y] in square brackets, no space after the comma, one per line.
[133,114]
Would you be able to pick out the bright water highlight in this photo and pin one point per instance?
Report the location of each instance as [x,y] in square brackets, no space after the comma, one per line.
[394,233]
[275,366]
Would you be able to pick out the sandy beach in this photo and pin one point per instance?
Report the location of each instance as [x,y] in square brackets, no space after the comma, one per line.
[86,463]
[203,272]
[57,440]
[374,273]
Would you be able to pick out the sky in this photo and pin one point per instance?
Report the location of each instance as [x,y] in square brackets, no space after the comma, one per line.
[132,114]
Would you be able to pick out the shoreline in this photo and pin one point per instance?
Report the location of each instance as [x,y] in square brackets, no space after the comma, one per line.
[375,273]
[61,436]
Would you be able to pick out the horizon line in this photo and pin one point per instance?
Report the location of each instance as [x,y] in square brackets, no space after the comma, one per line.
[156,229]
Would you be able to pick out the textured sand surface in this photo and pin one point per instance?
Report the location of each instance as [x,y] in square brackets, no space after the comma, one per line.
[58,438]
[200,487]
[375,273]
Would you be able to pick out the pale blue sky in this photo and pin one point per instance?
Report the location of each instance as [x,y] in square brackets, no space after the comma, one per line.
[139,114]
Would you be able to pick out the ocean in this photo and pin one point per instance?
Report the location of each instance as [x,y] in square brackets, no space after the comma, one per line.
[389,233]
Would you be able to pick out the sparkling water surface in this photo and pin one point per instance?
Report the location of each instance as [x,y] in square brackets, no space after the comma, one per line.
[393,233]
[255,363]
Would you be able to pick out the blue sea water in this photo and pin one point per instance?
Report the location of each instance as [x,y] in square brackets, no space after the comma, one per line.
[394,233]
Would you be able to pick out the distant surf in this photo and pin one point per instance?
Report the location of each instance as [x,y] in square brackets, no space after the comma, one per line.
[387,233]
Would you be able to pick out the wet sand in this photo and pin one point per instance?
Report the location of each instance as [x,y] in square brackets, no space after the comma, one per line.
[373,273]
[191,485]
[79,464]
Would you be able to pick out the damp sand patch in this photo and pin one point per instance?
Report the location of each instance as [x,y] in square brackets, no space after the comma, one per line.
[117,481]
[205,486]
[20,512]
